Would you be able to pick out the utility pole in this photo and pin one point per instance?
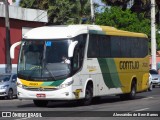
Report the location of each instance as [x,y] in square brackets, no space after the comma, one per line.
[92,12]
[8,68]
[153,35]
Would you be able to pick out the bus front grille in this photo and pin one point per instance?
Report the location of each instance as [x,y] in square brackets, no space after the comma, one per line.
[40,89]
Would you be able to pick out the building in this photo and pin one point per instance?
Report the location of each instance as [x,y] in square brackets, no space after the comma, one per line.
[9,1]
[21,20]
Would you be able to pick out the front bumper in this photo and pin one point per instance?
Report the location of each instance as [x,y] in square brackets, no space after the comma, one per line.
[156,83]
[61,94]
[3,92]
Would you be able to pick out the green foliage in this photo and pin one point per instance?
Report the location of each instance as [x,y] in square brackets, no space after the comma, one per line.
[125,20]
[142,8]
[61,11]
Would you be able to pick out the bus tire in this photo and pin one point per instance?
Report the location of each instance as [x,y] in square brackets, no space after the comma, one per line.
[40,103]
[132,93]
[88,96]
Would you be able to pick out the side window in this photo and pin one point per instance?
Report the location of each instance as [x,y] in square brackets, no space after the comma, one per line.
[93,48]
[139,47]
[143,47]
[105,46]
[125,47]
[14,78]
[134,47]
[115,47]
[79,52]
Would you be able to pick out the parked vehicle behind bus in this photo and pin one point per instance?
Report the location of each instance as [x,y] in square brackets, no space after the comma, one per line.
[103,61]
[150,83]
[155,77]
[8,86]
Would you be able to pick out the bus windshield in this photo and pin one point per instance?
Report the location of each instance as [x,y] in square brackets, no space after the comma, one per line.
[44,60]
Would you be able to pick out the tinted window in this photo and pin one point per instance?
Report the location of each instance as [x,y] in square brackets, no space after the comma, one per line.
[93,48]
[153,72]
[104,46]
[116,47]
[77,59]
[5,78]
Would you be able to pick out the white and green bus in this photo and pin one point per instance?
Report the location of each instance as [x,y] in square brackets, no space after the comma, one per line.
[102,61]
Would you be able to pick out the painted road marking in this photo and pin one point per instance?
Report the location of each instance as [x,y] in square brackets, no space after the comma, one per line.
[142,109]
[148,98]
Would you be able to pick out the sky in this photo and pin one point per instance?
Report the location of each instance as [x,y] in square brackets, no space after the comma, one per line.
[99,2]
[99,9]
[17,2]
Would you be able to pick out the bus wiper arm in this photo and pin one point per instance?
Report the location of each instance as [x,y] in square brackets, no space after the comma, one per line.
[50,73]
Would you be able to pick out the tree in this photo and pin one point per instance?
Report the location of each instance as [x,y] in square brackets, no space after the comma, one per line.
[139,6]
[61,11]
[124,19]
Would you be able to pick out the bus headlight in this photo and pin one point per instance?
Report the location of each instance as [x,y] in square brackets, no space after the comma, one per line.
[63,85]
[21,86]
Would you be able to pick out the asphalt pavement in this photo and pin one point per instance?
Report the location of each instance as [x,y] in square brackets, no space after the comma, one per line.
[145,106]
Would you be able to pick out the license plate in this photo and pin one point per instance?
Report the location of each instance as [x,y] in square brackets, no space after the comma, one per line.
[40,95]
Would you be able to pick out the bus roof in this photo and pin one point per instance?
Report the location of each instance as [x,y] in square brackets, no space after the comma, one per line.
[69,31]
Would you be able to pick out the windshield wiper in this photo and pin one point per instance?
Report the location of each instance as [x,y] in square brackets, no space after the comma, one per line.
[51,74]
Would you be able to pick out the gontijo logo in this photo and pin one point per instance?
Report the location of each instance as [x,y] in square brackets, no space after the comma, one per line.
[125,65]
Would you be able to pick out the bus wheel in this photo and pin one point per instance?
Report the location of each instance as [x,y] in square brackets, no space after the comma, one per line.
[40,103]
[132,93]
[88,96]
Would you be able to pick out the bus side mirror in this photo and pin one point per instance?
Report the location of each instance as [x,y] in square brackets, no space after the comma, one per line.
[12,49]
[71,48]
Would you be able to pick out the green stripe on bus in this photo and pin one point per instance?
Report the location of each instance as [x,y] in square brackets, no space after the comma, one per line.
[47,83]
[109,73]
[55,83]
